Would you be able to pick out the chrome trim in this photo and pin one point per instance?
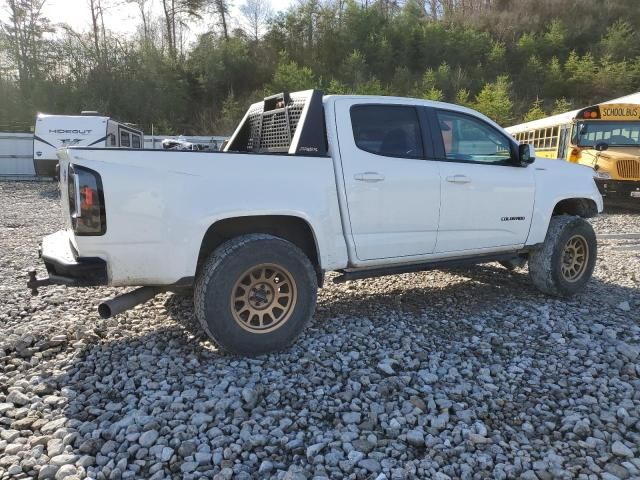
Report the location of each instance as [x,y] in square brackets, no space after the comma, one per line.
[76,187]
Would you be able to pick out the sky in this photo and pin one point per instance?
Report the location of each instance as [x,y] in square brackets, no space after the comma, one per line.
[121,18]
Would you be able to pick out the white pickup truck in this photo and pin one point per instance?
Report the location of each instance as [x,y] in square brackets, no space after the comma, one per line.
[362,185]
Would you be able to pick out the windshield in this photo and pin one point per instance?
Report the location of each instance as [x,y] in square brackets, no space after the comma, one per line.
[612,133]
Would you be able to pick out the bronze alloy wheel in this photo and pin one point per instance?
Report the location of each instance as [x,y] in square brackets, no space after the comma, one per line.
[575,258]
[263,298]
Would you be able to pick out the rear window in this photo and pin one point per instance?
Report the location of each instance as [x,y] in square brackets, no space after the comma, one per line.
[388,130]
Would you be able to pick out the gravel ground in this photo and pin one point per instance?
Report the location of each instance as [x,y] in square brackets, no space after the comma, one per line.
[465,374]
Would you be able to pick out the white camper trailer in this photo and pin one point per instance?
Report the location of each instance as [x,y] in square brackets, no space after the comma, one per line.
[88,129]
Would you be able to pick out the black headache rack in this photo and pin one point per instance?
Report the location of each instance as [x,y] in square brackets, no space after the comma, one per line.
[286,123]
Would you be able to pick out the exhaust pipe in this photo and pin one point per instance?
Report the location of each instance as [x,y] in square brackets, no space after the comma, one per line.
[119,304]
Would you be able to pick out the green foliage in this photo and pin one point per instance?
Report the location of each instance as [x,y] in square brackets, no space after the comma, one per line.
[462,98]
[230,114]
[535,112]
[289,76]
[433,94]
[495,102]
[561,105]
[621,41]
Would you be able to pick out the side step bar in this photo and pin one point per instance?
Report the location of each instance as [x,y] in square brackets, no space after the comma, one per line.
[348,275]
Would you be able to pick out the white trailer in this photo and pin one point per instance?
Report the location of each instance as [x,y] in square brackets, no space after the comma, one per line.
[88,129]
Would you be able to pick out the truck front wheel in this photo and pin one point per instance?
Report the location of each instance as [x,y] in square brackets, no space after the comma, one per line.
[563,265]
[255,294]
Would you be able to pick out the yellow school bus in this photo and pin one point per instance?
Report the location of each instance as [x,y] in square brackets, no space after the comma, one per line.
[605,137]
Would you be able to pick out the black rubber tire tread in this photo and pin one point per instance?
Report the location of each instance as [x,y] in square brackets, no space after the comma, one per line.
[213,280]
[545,261]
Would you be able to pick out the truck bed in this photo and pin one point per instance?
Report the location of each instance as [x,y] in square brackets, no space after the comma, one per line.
[168,200]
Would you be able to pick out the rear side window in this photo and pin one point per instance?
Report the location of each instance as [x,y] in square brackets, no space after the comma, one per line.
[135,141]
[388,130]
[125,139]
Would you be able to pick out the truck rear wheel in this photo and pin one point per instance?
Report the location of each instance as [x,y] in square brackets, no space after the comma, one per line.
[564,263]
[255,294]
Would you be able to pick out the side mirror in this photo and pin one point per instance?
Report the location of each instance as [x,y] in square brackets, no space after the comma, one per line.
[601,146]
[526,154]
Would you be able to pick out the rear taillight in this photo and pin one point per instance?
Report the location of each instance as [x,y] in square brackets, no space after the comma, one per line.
[86,201]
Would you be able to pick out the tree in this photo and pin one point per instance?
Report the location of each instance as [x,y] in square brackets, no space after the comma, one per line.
[24,37]
[256,13]
[561,105]
[144,6]
[230,114]
[97,25]
[620,41]
[535,112]
[175,12]
[462,98]
[429,89]
[222,8]
[495,102]
[289,76]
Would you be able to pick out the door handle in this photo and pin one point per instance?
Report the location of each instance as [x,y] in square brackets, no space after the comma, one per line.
[370,177]
[459,179]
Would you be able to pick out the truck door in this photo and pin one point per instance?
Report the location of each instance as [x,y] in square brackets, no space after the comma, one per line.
[392,190]
[487,201]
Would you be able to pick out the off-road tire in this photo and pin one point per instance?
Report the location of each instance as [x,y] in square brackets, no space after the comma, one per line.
[545,263]
[218,276]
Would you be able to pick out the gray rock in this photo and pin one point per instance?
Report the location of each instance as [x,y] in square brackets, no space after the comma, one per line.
[64,459]
[370,465]
[109,447]
[14,470]
[47,472]
[55,447]
[17,398]
[582,428]
[350,418]
[250,397]
[621,450]
[478,439]
[630,352]
[200,418]
[265,467]
[428,377]
[53,426]
[624,306]
[203,458]
[355,456]
[415,438]
[388,366]
[314,449]
[188,467]
[167,453]
[148,438]
[66,471]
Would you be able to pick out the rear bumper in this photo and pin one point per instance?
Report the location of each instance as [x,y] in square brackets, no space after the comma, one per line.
[65,267]
[623,193]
